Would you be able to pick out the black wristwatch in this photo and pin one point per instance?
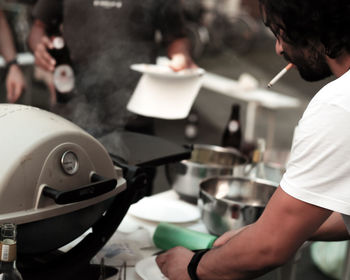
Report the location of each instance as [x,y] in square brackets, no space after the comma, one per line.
[192,266]
[11,62]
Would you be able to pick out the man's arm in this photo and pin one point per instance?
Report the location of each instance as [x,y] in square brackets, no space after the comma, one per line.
[7,46]
[333,229]
[283,227]
[14,79]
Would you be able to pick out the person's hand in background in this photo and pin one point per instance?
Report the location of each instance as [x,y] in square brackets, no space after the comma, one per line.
[181,61]
[15,83]
[179,54]
[40,43]
[42,57]
[14,77]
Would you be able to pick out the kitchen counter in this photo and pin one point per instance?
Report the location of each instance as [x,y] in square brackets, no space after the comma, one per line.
[133,239]
[132,242]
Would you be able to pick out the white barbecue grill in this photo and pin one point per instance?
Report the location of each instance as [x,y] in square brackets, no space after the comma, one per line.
[57,181]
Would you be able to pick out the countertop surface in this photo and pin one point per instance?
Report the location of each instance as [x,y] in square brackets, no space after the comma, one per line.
[132,242]
[131,246]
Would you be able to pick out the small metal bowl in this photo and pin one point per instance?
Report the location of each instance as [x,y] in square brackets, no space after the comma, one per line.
[206,161]
[228,202]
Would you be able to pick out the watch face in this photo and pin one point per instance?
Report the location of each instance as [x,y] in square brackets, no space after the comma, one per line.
[63,78]
[70,163]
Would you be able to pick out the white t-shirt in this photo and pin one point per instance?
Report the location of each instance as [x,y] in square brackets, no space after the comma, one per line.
[318,171]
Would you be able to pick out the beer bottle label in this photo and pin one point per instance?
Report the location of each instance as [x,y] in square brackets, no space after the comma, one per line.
[58,43]
[8,250]
[63,78]
[233,126]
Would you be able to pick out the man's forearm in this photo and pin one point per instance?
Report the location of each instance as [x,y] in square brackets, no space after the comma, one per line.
[7,46]
[333,229]
[245,256]
[266,244]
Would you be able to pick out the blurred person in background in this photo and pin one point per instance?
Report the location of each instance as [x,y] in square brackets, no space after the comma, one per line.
[313,199]
[15,83]
[104,38]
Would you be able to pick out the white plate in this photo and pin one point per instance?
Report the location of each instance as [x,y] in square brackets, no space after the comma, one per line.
[170,211]
[164,98]
[148,269]
[164,71]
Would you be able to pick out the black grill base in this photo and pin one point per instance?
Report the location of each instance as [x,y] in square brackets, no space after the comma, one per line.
[84,272]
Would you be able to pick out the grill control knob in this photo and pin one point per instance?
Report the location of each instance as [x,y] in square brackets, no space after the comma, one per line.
[70,163]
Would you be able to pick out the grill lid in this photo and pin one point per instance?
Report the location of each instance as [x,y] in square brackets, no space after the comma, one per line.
[40,150]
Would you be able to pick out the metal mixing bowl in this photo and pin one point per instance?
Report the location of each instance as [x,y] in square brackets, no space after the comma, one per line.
[228,202]
[206,161]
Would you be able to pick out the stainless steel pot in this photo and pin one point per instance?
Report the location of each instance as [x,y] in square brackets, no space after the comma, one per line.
[232,202]
[206,161]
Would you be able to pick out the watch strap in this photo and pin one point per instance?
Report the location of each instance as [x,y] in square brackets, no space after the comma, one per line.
[192,266]
[11,62]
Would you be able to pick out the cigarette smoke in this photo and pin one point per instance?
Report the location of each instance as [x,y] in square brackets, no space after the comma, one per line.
[102,49]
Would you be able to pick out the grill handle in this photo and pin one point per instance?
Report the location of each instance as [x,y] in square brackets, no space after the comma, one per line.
[98,187]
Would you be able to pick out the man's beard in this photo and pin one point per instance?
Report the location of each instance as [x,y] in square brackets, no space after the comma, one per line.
[311,68]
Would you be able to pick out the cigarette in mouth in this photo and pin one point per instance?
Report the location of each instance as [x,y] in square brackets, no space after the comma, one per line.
[280,75]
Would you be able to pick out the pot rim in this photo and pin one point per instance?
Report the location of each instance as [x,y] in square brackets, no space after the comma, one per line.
[216,148]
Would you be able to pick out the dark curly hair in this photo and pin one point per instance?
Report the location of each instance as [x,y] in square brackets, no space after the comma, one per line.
[308,22]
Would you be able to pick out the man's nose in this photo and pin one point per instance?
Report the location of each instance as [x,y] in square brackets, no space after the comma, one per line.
[278,47]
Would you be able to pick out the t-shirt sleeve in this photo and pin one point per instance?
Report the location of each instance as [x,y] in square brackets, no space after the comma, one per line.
[170,20]
[50,12]
[318,171]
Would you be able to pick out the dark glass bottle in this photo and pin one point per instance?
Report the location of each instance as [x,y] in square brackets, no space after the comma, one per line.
[8,270]
[232,136]
[257,167]
[63,75]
